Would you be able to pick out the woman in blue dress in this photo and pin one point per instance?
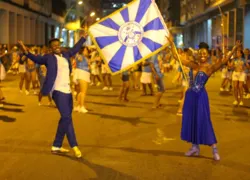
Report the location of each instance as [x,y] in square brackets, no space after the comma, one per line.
[197,127]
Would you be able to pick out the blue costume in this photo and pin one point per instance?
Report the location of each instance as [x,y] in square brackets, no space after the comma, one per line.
[63,101]
[83,65]
[196,122]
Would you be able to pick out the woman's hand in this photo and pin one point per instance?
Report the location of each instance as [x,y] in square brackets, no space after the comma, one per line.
[23,47]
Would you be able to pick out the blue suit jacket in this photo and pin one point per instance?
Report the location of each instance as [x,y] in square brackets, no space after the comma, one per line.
[50,61]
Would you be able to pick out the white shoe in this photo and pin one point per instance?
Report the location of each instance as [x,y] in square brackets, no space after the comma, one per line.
[27,92]
[35,93]
[21,91]
[91,84]
[77,108]
[39,104]
[56,150]
[83,110]
[1,105]
[241,103]
[98,84]
[156,86]
[235,103]
[222,89]
[105,88]
[227,89]
[50,104]
[111,89]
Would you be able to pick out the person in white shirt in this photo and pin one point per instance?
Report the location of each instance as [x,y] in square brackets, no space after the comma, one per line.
[57,83]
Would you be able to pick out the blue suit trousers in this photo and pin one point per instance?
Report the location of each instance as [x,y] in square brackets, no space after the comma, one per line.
[64,103]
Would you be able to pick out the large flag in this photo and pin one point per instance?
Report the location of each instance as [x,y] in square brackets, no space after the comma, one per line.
[130,35]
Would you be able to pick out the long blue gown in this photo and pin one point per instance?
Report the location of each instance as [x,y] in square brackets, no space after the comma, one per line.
[197,127]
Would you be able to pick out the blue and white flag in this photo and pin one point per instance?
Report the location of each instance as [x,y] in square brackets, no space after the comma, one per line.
[130,35]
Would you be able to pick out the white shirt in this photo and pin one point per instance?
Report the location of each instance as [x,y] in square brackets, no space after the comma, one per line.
[62,82]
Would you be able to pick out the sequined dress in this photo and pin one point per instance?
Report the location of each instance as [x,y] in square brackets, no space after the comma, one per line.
[197,127]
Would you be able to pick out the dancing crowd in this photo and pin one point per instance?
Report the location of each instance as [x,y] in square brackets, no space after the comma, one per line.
[90,69]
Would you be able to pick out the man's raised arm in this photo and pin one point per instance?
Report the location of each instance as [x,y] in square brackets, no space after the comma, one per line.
[77,46]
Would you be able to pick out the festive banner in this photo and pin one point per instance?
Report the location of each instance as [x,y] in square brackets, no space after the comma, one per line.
[130,35]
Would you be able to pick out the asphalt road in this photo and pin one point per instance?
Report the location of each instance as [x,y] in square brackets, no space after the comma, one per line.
[121,141]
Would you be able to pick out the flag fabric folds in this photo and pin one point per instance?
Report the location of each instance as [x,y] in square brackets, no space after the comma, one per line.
[130,35]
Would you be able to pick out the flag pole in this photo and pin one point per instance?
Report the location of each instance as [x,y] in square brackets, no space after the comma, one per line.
[222,30]
[178,58]
[165,27]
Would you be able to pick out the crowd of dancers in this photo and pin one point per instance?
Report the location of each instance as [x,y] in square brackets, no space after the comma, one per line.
[90,70]
[61,72]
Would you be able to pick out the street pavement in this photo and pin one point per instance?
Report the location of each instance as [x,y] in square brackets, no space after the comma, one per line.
[121,141]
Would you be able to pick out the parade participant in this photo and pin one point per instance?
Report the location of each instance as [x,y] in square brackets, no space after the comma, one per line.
[1,98]
[185,85]
[81,78]
[247,71]
[42,75]
[239,77]
[158,75]
[57,83]
[137,75]
[226,74]
[15,60]
[31,73]
[94,66]
[22,73]
[106,77]
[196,123]
[146,78]
[2,75]
[125,86]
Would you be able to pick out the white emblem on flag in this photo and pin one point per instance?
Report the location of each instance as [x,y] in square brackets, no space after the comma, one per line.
[131,33]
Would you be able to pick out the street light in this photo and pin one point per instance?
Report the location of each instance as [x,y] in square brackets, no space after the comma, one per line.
[97,19]
[80,2]
[92,14]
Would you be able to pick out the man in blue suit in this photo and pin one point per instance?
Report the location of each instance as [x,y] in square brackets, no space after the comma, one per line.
[57,82]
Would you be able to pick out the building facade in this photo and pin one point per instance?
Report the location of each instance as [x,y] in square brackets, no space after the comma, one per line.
[27,20]
[170,10]
[218,22]
[109,6]
[36,22]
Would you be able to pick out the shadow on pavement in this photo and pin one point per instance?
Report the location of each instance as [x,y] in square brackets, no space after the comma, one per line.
[133,120]
[7,119]
[107,104]
[12,109]
[224,93]
[151,103]
[241,114]
[102,172]
[121,104]
[13,104]
[103,95]
[152,152]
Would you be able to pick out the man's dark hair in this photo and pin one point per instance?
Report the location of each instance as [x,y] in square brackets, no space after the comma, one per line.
[203,45]
[54,39]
